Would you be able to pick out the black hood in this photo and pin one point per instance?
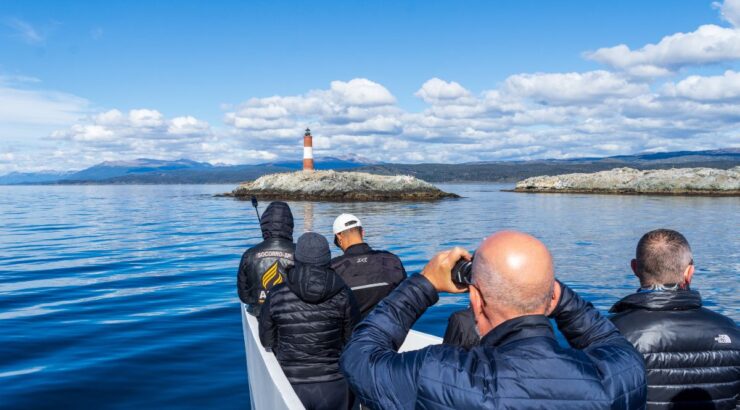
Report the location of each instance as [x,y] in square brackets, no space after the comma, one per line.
[313,283]
[277,221]
[680,299]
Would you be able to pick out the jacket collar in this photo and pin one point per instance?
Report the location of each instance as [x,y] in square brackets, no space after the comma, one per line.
[518,328]
[680,299]
[358,249]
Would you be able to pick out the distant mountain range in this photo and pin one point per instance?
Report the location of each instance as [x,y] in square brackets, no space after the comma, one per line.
[513,171]
[184,171]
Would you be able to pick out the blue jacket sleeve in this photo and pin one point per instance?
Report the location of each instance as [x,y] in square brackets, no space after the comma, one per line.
[621,366]
[377,373]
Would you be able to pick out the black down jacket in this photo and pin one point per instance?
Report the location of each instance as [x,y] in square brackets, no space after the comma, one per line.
[461,330]
[265,265]
[692,355]
[518,364]
[371,274]
[307,321]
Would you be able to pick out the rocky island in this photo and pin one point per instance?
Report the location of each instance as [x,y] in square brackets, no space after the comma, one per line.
[680,181]
[339,186]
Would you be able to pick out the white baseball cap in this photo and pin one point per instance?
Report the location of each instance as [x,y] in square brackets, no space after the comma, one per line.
[344,222]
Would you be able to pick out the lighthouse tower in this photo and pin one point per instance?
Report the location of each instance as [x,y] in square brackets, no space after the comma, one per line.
[307,151]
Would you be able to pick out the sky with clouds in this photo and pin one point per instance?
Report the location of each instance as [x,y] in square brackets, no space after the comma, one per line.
[432,81]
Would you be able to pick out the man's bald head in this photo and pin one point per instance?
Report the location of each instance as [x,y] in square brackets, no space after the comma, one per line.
[514,271]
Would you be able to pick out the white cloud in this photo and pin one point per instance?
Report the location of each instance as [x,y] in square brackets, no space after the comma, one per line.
[361,92]
[714,88]
[572,87]
[709,44]
[91,133]
[730,11]
[187,125]
[358,106]
[437,91]
[25,31]
[144,118]
[113,135]
[528,116]
[22,107]
[112,117]
[7,157]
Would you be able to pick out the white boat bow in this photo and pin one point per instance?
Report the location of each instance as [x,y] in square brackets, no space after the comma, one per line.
[268,386]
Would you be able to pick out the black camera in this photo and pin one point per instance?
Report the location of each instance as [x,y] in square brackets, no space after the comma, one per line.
[462,272]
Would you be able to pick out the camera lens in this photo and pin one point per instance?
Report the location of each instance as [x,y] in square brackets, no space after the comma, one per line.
[461,272]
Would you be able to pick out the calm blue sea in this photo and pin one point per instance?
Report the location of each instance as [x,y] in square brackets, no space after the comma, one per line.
[124,296]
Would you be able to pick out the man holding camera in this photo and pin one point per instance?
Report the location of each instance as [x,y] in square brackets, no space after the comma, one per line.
[518,363]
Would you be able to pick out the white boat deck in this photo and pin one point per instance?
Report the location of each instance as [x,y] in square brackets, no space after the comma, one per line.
[268,386]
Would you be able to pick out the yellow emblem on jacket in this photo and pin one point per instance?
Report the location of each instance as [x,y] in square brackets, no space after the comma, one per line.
[271,277]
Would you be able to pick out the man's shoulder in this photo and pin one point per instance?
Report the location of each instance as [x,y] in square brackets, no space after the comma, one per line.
[274,249]
[677,330]
[642,317]
[338,259]
[387,257]
[385,253]
[724,329]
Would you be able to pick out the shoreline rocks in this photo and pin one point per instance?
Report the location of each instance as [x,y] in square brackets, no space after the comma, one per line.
[679,181]
[339,186]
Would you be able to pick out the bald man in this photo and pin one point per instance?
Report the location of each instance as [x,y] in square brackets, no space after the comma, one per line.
[518,363]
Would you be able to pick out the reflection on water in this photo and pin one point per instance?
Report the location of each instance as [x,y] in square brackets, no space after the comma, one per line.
[125,295]
[307,217]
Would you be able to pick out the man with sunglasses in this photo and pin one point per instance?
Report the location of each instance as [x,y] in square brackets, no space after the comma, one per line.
[370,273]
[692,354]
[518,363]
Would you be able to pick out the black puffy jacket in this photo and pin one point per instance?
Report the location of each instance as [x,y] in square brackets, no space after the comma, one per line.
[307,321]
[264,266]
[461,330]
[692,355]
[371,274]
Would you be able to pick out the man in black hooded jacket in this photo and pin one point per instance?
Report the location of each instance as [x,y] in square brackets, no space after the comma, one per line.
[692,355]
[307,321]
[264,266]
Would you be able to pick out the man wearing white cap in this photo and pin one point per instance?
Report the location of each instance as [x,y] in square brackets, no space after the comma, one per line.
[371,274]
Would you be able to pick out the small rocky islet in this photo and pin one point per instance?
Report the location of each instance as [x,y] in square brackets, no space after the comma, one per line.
[677,181]
[339,186]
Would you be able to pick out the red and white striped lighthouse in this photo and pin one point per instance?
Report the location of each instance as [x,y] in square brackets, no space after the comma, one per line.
[307,151]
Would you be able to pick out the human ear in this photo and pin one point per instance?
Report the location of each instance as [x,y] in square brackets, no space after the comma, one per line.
[633,265]
[476,301]
[688,274]
[482,323]
[555,299]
